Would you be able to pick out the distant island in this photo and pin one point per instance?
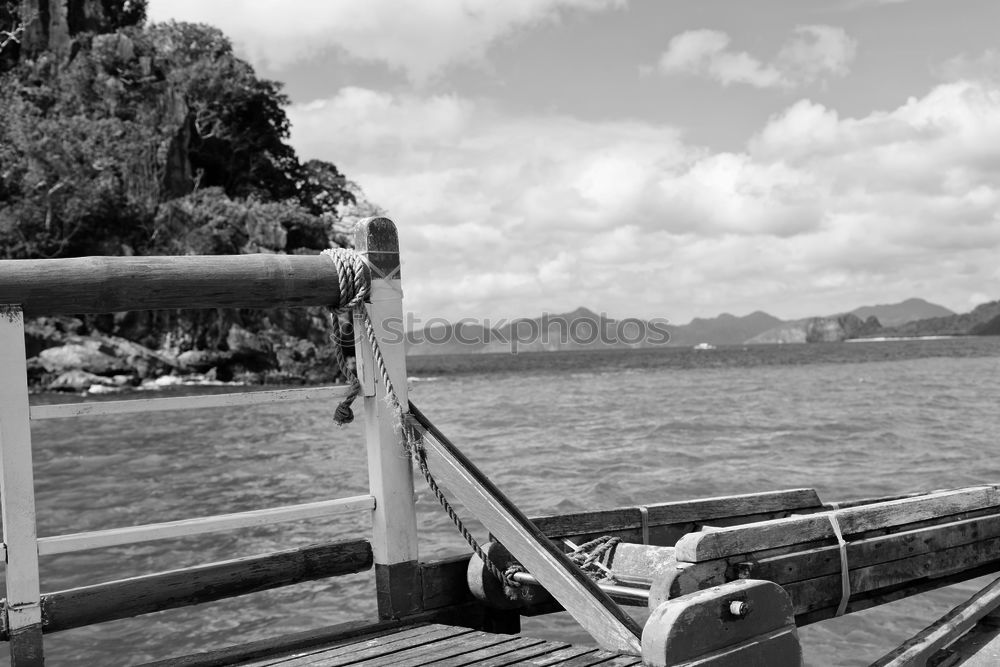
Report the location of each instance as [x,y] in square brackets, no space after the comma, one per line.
[572,331]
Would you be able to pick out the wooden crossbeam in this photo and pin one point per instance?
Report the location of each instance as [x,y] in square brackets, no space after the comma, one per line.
[124,598]
[582,598]
[99,539]
[944,631]
[112,284]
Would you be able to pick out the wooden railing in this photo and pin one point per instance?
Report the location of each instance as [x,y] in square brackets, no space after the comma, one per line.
[112,284]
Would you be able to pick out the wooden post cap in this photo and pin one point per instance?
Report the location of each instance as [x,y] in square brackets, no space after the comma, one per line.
[747,622]
[498,594]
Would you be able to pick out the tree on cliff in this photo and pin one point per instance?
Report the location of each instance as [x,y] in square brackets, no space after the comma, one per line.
[121,138]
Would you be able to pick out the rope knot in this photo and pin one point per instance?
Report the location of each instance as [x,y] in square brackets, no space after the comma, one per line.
[508,575]
[355,286]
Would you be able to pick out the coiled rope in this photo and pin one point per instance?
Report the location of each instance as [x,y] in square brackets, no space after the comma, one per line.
[355,288]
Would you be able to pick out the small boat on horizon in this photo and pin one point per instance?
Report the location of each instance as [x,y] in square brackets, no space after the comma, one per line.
[704,346]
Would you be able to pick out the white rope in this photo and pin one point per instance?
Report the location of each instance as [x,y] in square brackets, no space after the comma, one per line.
[845,572]
[644,516]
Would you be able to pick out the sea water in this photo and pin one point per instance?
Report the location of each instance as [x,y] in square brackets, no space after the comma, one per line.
[557,432]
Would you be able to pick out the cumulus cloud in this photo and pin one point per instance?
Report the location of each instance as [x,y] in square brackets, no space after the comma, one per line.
[812,53]
[419,38]
[984,66]
[509,215]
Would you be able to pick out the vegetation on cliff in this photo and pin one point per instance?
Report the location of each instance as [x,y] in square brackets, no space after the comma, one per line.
[121,138]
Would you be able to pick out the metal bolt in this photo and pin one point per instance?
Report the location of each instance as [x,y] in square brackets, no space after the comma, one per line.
[739,608]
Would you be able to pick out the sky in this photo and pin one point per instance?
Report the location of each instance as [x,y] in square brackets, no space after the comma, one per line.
[652,158]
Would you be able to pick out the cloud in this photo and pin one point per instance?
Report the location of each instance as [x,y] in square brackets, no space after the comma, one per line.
[985,66]
[419,38]
[812,53]
[507,215]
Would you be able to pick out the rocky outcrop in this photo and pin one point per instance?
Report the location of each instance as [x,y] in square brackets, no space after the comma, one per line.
[820,330]
[276,347]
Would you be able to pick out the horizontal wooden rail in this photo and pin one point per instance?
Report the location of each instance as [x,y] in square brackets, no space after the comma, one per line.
[113,284]
[186,527]
[124,598]
[331,394]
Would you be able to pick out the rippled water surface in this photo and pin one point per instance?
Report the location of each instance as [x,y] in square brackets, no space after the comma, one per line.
[556,432]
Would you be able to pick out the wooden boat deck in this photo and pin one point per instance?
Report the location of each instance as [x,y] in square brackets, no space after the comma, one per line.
[433,644]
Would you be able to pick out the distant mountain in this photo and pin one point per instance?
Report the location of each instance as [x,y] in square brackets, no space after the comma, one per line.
[577,330]
[895,314]
[725,329]
[980,321]
[864,322]
[585,329]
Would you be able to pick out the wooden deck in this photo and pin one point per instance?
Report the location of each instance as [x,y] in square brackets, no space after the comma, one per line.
[444,646]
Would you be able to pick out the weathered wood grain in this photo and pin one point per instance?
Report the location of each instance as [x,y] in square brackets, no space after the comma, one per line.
[945,630]
[700,627]
[680,512]
[112,284]
[698,547]
[583,599]
[871,599]
[177,588]
[819,592]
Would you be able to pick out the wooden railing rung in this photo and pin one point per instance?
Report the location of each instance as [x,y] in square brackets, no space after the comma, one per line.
[113,284]
[210,524]
[125,598]
[329,394]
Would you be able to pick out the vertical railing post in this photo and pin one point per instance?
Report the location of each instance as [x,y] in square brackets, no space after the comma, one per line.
[394,538]
[17,495]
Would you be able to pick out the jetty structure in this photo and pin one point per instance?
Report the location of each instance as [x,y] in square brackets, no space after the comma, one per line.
[727,580]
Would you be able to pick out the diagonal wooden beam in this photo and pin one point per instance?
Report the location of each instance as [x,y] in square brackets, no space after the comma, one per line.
[592,608]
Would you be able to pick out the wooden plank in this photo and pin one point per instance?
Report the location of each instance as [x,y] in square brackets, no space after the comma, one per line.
[876,563]
[450,648]
[507,648]
[811,563]
[381,650]
[602,658]
[17,495]
[329,395]
[371,647]
[687,511]
[942,632]
[390,473]
[285,646]
[724,542]
[562,655]
[893,593]
[100,539]
[817,593]
[362,633]
[113,284]
[98,603]
[521,656]
[363,647]
[267,651]
[582,598]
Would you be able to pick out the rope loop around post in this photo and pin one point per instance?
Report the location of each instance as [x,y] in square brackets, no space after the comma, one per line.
[355,287]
